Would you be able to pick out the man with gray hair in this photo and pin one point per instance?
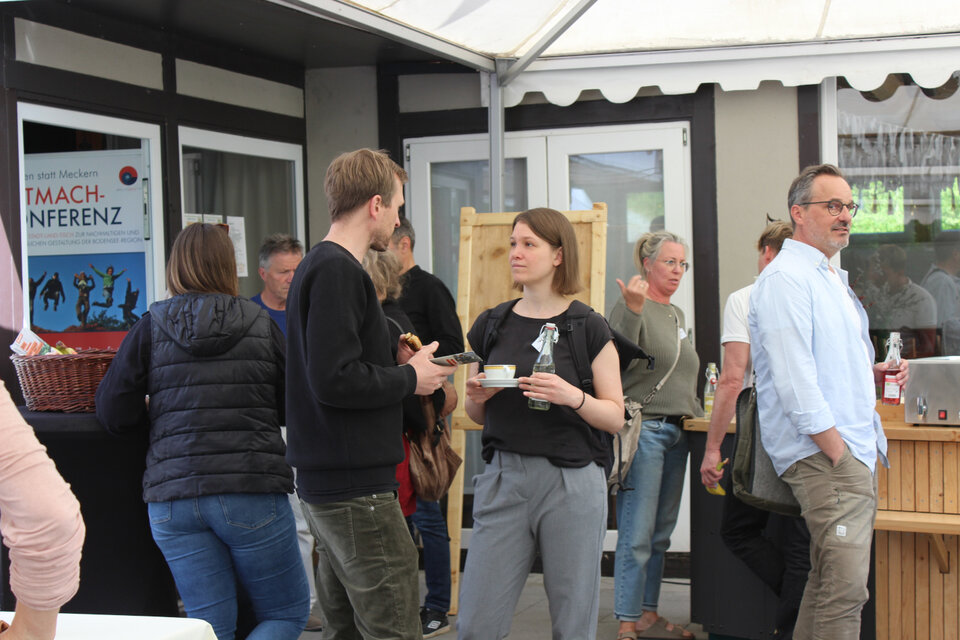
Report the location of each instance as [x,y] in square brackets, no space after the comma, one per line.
[279,256]
[816,397]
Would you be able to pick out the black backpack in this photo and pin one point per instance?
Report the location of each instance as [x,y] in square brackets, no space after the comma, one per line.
[575,326]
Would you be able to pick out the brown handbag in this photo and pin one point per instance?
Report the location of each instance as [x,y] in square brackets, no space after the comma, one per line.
[433,462]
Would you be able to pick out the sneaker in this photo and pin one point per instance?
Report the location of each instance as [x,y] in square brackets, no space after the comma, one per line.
[434,623]
[314,624]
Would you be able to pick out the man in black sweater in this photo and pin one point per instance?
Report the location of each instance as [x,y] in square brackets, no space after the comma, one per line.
[344,393]
[431,309]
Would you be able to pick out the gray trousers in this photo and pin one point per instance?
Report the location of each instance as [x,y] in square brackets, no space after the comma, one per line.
[367,571]
[521,505]
[839,504]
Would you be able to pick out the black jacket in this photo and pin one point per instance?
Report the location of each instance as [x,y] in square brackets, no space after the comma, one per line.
[213,366]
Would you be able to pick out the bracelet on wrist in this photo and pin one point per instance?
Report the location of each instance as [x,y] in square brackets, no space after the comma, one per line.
[582,400]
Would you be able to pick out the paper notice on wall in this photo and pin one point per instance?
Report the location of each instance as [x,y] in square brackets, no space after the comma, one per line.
[192,218]
[213,218]
[239,236]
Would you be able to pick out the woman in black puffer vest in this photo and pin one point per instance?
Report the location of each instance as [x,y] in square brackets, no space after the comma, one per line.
[212,365]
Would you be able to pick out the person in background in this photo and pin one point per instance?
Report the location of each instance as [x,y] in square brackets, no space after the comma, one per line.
[816,399]
[344,395]
[783,568]
[279,256]
[384,270]
[903,305]
[544,486]
[647,514]
[215,483]
[942,282]
[41,525]
[429,305]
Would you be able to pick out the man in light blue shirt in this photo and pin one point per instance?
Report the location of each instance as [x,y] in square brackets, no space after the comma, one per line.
[816,398]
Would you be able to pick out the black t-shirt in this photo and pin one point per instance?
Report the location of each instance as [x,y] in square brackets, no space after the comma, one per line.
[558,434]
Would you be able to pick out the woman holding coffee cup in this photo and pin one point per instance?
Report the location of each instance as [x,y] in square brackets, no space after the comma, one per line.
[544,487]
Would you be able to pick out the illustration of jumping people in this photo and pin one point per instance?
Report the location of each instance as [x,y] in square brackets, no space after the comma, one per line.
[84,284]
[53,290]
[129,304]
[33,293]
[109,279]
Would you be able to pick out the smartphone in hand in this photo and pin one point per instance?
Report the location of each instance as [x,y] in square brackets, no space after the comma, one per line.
[456,359]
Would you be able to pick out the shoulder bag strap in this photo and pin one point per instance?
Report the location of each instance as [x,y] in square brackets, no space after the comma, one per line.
[663,380]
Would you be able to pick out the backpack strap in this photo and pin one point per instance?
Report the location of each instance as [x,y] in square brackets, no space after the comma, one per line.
[491,329]
[576,329]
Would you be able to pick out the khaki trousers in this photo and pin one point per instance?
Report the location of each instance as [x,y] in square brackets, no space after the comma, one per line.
[839,504]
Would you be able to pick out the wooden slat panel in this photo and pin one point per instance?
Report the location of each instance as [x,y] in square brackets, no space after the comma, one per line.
[936,477]
[950,478]
[907,477]
[893,577]
[893,476]
[936,600]
[883,475]
[922,582]
[951,593]
[882,584]
[907,587]
[921,458]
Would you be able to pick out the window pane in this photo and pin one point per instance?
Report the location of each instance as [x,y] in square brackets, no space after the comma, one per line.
[466,184]
[900,151]
[258,189]
[631,183]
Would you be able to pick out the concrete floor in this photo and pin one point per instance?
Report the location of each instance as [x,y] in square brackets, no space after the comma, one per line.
[531,621]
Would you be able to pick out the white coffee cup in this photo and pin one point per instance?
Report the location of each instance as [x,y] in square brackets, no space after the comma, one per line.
[499,371]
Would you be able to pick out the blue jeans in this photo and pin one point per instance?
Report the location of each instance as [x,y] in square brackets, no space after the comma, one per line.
[429,521]
[646,516]
[210,542]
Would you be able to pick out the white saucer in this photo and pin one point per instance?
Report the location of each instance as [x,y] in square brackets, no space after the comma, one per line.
[488,383]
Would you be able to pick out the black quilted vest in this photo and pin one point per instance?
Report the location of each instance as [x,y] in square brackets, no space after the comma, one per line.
[214,424]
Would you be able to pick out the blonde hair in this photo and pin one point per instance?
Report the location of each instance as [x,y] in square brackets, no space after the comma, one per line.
[649,246]
[555,229]
[384,269]
[202,260]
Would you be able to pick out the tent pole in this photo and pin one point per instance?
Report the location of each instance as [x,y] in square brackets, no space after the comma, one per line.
[495,128]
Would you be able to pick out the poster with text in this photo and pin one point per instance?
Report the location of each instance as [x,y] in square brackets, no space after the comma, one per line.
[86,252]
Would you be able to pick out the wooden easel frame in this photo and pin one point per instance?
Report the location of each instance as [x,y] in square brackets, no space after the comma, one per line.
[484,244]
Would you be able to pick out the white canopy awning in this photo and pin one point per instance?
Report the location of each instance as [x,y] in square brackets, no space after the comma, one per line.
[620,46]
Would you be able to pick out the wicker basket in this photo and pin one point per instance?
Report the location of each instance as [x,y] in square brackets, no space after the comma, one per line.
[55,382]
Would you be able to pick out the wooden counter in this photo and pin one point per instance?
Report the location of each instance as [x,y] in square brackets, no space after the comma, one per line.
[917,590]
[917,531]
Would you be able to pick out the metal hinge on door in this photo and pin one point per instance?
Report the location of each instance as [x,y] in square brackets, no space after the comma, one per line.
[684,136]
[406,151]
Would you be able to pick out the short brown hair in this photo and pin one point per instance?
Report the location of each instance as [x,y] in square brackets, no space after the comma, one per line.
[202,260]
[802,185]
[556,230]
[383,267]
[774,234]
[355,177]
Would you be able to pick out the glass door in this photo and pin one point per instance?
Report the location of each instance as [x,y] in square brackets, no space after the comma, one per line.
[92,224]
[642,173]
[254,186]
[453,172]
